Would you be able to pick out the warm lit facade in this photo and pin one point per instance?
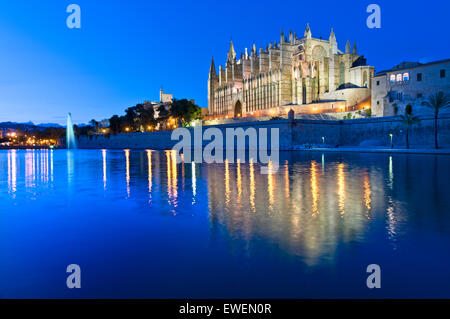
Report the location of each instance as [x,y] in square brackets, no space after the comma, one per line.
[295,72]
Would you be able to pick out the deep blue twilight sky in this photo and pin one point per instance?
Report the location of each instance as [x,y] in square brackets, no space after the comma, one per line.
[126,50]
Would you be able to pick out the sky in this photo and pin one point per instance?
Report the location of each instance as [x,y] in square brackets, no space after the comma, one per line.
[126,51]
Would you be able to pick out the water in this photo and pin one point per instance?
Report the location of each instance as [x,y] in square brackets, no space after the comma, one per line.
[139,225]
[71,142]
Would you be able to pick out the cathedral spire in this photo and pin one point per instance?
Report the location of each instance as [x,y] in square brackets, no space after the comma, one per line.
[308,31]
[254,49]
[212,68]
[332,36]
[282,36]
[333,43]
[347,47]
[355,51]
[231,53]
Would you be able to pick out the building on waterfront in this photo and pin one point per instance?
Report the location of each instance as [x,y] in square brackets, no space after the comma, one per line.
[306,74]
[408,83]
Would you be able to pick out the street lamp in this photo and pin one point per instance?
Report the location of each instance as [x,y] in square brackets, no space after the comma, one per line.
[391,135]
[323,140]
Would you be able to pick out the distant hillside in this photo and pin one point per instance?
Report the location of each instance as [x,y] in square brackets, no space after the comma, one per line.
[49,125]
[29,126]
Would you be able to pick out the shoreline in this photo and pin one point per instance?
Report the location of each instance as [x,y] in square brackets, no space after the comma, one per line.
[423,151]
[29,148]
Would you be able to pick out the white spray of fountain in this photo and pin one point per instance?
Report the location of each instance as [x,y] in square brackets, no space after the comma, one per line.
[71,143]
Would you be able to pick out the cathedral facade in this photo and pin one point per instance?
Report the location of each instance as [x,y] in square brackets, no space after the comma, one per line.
[295,73]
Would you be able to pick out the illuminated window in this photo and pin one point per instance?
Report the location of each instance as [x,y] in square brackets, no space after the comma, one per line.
[392,78]
[405,77]
[399,77]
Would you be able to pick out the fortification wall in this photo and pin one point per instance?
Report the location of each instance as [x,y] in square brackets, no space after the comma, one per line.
[298,132]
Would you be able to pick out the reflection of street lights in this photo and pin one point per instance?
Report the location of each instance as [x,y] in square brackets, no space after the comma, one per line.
[392,145]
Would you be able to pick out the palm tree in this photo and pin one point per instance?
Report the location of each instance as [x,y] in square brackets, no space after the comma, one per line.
[436,102]
[408,121]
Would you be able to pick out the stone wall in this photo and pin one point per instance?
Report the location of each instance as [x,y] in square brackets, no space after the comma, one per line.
[353,132]
[162,139]
[150,140]
[300,132]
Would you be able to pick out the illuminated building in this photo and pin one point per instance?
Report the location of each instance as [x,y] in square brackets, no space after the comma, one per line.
[306,74]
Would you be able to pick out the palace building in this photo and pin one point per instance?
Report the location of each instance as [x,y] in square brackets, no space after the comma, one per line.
[305,74]
[409,83]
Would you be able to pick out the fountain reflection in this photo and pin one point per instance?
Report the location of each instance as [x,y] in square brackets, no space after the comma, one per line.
[70,167]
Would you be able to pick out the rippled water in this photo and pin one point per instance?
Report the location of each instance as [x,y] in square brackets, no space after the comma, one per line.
[139,225]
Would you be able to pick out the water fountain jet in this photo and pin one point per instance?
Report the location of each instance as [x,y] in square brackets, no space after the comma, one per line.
[71,143]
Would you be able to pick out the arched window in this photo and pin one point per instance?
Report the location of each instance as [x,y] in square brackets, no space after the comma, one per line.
[365,79]
[392,78]
[399,77]
[405,77]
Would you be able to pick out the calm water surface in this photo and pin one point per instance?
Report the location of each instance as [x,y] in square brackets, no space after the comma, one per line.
[141,226]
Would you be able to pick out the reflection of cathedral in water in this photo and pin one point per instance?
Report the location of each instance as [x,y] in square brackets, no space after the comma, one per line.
[307,208]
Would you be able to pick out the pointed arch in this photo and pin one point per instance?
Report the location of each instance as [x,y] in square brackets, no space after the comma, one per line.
[238,109]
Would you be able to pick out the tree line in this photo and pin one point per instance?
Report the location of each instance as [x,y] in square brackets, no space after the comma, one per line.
[145,117]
